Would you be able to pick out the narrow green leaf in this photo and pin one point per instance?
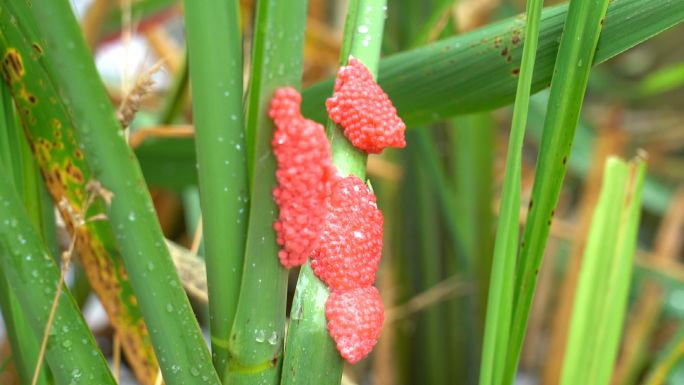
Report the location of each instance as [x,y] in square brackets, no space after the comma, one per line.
[33,276]
[601,299]
[131,215]
[216,77]
[577,47]
[433,352]
[663,80]
[499,304]
[256,341]
[471,73]
[23,342]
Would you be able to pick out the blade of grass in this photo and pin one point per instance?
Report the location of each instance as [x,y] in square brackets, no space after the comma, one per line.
[433,350]
[33,275]
[577,48]
[424,34]
[499,303]
[310,332]
[25,347]
[51,136]
[451,204]
[603,286]
[472,140]
[219,137]
[663,80]
[256,342]
[131,214]
[427,85]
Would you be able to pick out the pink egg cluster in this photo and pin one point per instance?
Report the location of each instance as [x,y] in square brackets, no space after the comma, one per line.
[304,174]
[346,259]
[364,110]
[349,247]
[356,317]
[335,220]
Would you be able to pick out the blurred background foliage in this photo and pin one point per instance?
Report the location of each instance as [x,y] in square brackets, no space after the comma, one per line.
[440,195]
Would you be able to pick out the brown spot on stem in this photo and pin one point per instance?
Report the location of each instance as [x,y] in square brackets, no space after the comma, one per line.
[37,48]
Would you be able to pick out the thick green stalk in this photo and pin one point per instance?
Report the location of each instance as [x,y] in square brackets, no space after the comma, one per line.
[499,304]
[428,85]
[577,48]
[131,214]
[256,341]
[216,78]
[308,332]
[33,275]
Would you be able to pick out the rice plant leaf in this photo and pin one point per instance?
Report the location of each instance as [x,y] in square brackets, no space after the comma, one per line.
[601,299]
[577,47]
[477,71]
[23,342]
[33,276]
[216,76]
[53,141]
[256,341]
[499,304]
[92,136]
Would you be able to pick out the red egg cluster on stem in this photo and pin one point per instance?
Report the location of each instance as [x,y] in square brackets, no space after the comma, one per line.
[346,259]
[335,220]
[369,119]
[305,172]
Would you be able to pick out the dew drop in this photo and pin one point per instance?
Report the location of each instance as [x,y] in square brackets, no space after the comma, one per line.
[261,336]
[132,216]
[363,29]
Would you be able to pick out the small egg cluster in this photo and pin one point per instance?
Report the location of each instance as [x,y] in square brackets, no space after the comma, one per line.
[364,110]
[304,173]
[349,247]
[356,318]
[346,259]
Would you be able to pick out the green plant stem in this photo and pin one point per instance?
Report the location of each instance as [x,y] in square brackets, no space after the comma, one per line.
[499,304]
[33,275]
[308,328]
[221,156]
[577,47]
[152,274]
[256,341]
